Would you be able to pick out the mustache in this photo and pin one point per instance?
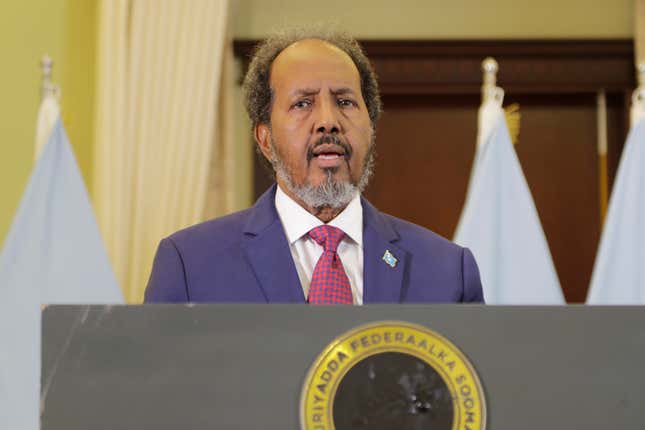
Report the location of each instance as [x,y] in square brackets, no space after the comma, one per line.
[330,139]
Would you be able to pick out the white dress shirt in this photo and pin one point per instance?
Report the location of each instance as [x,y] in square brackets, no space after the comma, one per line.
[305,251]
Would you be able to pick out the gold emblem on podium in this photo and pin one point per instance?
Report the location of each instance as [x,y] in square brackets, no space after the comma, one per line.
[392,375]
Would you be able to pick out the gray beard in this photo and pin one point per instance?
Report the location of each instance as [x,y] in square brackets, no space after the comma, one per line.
[331,193]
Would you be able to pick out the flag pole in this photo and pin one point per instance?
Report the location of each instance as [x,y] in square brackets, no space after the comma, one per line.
[601,145]
[638,96]
[49,110]
[490,90]
[492,99]
[618,275]
[499,221]
[492,93]
[47,87]
[639,31]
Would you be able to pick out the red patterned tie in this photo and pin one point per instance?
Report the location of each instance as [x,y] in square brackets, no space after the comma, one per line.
[329,283]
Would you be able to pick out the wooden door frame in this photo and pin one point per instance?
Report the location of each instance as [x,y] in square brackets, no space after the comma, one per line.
[526,66]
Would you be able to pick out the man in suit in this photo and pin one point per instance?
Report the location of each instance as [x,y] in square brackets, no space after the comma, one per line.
[313,99]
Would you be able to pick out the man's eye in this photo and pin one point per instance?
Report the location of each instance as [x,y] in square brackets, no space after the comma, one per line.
[301,104]
[345,102]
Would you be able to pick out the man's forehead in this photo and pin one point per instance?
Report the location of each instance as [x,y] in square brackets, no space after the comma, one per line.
[308,57]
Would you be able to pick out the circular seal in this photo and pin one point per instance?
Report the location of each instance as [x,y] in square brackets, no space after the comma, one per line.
[388,375]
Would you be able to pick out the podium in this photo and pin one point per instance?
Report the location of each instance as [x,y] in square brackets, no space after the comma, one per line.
[243,366]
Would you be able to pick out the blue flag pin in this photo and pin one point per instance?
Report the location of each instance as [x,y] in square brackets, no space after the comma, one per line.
[390,259]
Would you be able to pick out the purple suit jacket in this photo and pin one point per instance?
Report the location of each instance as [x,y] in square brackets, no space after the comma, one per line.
[245,258]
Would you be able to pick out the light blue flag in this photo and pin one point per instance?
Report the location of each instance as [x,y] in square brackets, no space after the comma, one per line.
[500,224]
[53,254]
[619,271]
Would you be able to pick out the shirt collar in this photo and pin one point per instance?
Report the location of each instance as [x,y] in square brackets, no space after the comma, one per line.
[297,222]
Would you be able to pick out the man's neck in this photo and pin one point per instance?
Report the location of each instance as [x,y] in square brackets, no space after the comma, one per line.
[325,214]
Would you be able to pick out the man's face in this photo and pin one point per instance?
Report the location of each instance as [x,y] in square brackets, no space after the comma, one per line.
[320,128]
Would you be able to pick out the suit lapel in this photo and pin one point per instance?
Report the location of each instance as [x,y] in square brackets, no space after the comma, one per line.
[382,281]
[267,250]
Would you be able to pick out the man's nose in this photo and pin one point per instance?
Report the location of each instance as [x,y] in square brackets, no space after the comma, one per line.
[327,120]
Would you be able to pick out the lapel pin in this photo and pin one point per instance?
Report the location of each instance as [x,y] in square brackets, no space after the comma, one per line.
[390,259]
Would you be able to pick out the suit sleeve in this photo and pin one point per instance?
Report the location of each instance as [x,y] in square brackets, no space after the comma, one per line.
[472,283]
[167,283]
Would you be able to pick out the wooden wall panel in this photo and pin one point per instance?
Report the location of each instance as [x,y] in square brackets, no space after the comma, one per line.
[557,151]
[425,146]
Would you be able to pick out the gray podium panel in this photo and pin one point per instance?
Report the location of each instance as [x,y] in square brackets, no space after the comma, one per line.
[242,366]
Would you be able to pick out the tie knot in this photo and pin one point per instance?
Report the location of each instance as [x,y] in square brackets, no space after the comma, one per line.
[327,236]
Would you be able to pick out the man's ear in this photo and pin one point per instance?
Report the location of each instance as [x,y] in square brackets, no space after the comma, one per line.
[262,138]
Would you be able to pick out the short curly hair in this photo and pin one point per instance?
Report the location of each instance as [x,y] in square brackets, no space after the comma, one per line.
[258,95]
